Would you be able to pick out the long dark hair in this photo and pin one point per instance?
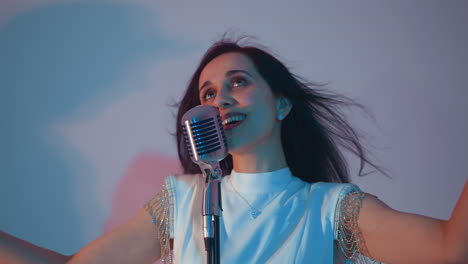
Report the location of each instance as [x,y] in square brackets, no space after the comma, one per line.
[310,133]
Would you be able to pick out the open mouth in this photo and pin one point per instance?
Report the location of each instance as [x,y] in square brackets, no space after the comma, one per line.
[233,121]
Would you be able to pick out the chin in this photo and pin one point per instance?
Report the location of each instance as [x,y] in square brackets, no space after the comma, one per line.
[239,150]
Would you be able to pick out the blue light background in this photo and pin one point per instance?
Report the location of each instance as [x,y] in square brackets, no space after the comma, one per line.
[85,88]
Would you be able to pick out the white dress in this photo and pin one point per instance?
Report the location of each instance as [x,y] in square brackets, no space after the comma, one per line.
[298,222]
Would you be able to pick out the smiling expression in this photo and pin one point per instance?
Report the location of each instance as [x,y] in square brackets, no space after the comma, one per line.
[246,103]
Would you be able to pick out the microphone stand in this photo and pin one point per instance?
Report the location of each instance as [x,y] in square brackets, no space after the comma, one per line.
[206,142]
[211,211]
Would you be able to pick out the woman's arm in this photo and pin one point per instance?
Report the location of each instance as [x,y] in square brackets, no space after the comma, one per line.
[15,250]
[456,230]
[396,237]
[133,242]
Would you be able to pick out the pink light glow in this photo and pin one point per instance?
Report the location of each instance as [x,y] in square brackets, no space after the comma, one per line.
[141,181]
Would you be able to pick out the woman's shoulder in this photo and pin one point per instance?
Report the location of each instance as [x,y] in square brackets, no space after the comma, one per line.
[186,179]
[183,183]
[333,195]
[332,188]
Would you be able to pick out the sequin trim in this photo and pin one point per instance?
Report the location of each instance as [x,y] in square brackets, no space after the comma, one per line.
[351,245]
[161,210]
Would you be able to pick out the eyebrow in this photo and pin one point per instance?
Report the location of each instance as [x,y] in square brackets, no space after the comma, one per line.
[228,74]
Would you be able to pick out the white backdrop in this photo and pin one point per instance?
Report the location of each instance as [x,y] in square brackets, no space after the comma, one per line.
[85,89]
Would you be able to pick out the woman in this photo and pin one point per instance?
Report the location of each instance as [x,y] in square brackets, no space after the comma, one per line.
[285,193]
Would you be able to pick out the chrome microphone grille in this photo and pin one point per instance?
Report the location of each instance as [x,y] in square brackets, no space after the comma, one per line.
[204,134]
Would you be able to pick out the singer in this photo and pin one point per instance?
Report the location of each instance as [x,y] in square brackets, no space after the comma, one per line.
[286,195]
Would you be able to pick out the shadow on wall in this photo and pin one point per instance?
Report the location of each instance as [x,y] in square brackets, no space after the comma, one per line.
[53,59]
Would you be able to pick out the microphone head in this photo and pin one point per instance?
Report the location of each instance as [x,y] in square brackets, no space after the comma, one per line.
[204,134]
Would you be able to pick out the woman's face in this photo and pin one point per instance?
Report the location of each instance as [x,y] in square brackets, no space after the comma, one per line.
[247,106]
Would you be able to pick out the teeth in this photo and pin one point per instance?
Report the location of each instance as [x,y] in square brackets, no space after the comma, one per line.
[233,118]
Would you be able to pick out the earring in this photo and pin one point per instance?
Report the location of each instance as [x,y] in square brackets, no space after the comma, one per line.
[280,117]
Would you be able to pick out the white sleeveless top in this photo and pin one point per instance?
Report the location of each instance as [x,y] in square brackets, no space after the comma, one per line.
[298,223]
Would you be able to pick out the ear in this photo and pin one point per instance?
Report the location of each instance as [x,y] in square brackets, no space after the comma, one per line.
[283,107]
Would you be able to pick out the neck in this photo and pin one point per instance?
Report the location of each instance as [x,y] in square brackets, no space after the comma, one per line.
[266,156]
[259,161]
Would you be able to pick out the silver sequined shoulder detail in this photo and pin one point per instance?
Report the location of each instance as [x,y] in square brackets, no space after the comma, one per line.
[161,210]
[350,246]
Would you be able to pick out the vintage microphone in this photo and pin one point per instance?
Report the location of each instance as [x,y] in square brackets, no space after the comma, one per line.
[206,142]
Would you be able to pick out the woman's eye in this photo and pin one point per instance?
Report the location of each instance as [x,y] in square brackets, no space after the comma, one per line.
[236,82]
[208,95]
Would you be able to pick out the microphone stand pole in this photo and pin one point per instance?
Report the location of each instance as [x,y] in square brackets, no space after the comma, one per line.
[211,211]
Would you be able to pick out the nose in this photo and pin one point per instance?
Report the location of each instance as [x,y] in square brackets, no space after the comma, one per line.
[224,99]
